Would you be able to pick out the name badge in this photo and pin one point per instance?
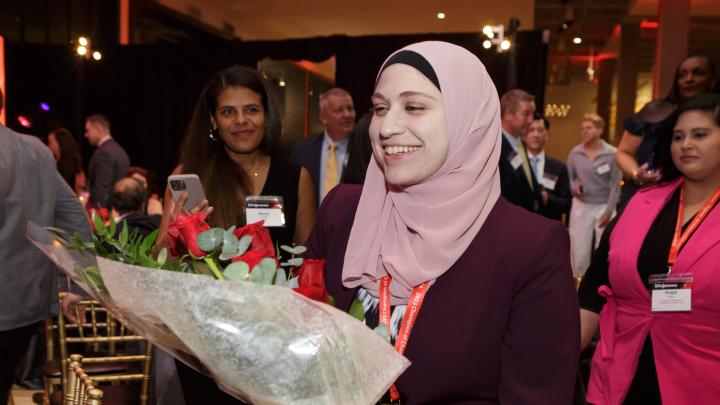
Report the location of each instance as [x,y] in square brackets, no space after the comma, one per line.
[515,160]
[265,208]
[671,293]
[603,168]
[549,181]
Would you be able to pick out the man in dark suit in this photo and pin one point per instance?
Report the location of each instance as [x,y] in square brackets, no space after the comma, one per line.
[517,182]
[129,199]
[108,164]
[325,155]
[551,173]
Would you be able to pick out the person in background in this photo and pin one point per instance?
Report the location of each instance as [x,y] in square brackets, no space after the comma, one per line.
[519,185]
[359,151]
[636,153]
[550,173]
[429,238]
[108,164]
[595,184]
[68,158]
[129,202]
[653,349]
[31,189]
[325,155]
[148,179]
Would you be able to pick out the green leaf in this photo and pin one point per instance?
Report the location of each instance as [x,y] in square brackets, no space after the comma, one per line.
[57,231]
[99,225]
[297,250]
[295,262]
[382,330]
[162,256]
[229,247]
[112,225]
[293,283]
[357,311]
[243,245]
[211,239]
[123,235]
[331,300]
[238,271]
[280,278]
[93,274]
[148,242]
[264,272]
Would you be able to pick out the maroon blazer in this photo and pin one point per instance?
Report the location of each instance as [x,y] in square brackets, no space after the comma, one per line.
[500,326]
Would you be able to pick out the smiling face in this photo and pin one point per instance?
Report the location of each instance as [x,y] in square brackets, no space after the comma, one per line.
[695,146]
[409,133]
[338,115]
[240,119]
[694,77]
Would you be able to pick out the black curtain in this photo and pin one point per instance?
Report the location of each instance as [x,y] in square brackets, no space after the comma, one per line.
[148,91]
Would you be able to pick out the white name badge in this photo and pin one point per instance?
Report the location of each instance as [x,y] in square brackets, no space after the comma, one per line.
[671,293]
[603,168]
[549,181]
[515,160]
[265,208]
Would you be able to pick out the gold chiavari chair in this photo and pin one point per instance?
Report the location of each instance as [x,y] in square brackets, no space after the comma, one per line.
[81,389]
[111,353]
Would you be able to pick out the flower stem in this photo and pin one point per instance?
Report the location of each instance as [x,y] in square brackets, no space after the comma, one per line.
[213,267]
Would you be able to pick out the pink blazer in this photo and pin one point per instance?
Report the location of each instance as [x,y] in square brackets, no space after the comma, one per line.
[686,345]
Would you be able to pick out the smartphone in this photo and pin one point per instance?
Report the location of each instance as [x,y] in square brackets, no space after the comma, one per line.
[189,183]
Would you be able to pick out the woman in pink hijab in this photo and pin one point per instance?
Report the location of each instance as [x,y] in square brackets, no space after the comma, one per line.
[477,293]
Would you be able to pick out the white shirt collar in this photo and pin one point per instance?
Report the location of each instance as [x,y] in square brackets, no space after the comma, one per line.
[103,140]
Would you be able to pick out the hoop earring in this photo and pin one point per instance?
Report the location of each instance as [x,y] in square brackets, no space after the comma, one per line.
[212,135]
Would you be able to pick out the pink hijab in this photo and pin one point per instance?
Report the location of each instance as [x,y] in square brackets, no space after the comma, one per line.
[415,234]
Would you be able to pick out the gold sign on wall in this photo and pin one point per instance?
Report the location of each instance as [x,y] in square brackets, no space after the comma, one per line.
[557,110]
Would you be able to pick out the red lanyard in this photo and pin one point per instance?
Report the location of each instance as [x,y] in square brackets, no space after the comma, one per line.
[680,237]
[411,313]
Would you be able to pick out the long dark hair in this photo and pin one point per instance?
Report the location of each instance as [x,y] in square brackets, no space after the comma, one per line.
[225,184]
[674,95]
[359,151]
[707,102]
[69,150]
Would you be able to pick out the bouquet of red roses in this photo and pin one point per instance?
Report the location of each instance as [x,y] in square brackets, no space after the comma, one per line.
[229,308]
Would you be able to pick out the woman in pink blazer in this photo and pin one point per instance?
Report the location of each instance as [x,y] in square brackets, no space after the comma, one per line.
[657,271]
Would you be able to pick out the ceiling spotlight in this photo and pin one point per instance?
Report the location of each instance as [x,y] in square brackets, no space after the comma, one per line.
[81,50]
[577,40]
[441,16]
[505,45]
[487,44]
[97,55]
[488,31]
[82,41]
[281,83]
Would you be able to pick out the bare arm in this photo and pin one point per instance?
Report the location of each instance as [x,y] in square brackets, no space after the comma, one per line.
[589,322]
[306,212]
[626,150]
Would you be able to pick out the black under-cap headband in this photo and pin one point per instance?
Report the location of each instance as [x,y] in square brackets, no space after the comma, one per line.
[415,60]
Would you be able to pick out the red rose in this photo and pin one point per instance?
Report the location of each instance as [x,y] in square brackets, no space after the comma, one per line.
[311,280]
[251,257]
[260,238]
[183,231]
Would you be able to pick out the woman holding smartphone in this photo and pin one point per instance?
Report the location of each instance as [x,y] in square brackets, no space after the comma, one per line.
[228,144]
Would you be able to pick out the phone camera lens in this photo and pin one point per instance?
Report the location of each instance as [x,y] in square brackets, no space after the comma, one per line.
[178,185]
